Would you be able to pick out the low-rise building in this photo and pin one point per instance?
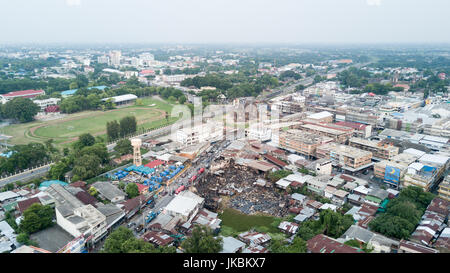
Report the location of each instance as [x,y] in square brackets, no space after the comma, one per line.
[346,157]
[231,245]
[43,104]
[360,130]
[444,188]
[254,238]
[110,192]
[186,205]
[288,227]
[301,142]
[338,135]
[4,98]
[324,244]
[85,220]
[378,149]
[411,247]
[158,238]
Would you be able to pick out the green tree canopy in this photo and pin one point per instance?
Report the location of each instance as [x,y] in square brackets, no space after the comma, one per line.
[202,241]
[37,217]
[21,109]
[132,190]
[124,147]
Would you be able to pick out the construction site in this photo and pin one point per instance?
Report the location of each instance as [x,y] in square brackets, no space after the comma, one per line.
[229,185]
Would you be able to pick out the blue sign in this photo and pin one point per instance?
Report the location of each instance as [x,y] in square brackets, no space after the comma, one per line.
[392,175]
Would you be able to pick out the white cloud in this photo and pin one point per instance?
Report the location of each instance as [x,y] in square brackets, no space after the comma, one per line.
[72,3]
[373,2]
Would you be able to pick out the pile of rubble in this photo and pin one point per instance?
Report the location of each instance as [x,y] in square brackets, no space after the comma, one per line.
[237,182]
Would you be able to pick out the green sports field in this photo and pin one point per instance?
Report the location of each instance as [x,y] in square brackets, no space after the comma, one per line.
[65,130]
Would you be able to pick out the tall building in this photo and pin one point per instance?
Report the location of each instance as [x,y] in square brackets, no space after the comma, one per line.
[115,56]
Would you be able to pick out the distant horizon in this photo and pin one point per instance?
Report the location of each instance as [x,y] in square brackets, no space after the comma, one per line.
[225,22]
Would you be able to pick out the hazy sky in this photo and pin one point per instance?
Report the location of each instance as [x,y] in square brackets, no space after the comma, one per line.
[225,21]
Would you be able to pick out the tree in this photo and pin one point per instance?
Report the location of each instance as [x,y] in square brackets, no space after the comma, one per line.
[277,175]
[87,166]
[279,246]
[299,87]
[23,157]
[202,241]
[182,100]
[86,140]
[36,217]
[334,223]
[93,191]
[58,170]
[132,190]
[122,240]
[21,109]
[123,147]
[128,125]
[99,150]
[113,130]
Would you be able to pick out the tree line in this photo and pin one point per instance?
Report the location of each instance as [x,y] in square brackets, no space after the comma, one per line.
[126,126]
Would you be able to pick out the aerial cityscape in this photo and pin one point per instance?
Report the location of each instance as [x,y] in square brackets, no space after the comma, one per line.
[214,147]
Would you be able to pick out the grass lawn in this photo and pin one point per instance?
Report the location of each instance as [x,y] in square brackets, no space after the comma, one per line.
[64,130]
[242,222]
[94,124]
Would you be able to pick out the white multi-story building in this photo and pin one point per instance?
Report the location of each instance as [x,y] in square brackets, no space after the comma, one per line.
[115,56]
[259,132]
[103,59]
[46,103]
[200,133]
[85,220]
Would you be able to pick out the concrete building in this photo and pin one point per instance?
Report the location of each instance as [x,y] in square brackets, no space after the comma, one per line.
[337,134]
[360,130]
[199,134]
[259,132]
[444,188]
[85,220]
[115,56]
[393,171]
[301,142]
[379,150]
[185,205]
[46,103]
[110,192]
[346,157]
[324,116]
[289,104]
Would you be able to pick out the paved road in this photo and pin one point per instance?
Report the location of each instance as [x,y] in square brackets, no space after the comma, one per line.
[26,176]
[306,81]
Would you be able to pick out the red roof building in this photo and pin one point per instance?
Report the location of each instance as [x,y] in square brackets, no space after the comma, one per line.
[354,125]
[276,161]
[158,238]
[25,204]
[142,188]
[147,72]
[21,94]
[324,244]
[154,163]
